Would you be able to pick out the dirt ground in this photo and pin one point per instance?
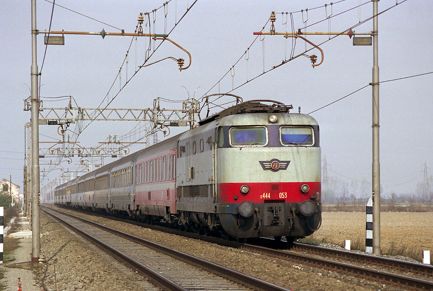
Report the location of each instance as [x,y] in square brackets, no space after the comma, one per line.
[402,233]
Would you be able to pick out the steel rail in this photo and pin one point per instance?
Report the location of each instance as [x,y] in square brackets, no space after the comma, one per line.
[426,270]
[155,277]
[357,270]
[230,274]
[207,238]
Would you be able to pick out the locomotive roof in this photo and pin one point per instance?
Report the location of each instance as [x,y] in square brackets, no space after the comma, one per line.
[252,106]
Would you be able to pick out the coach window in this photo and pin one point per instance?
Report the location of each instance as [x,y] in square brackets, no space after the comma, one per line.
[162,171]
[296,135]
[188,148]
[194,147]
[151,171]
[130,176]
[173,168]
[165,167]
[154,171]
[159,169]
[201,145]
[248,136]
[167,159]
[146,172]
[181,150]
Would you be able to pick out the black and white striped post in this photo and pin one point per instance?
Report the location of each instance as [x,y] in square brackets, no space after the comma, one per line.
[1,233]
[369,227]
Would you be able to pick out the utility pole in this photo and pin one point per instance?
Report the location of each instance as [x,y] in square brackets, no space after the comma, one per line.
[375,128]
[35,141]
[375,100]
[25,172]
[28,169]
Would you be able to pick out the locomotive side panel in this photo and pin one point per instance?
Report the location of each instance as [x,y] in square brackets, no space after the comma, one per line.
[195,171]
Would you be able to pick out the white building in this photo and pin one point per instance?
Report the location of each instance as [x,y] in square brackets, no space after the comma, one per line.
[9,188]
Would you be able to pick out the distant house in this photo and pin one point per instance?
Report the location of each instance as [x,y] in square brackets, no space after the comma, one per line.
[10,189]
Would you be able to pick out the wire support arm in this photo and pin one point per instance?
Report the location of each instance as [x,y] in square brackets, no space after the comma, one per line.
[103,33]
[180,61]
[286,34]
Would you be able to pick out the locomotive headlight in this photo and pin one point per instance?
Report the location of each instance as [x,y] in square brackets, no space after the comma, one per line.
[245,189]
[272,118]
[305,188]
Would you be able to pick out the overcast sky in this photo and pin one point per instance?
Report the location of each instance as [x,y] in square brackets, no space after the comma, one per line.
[217,33]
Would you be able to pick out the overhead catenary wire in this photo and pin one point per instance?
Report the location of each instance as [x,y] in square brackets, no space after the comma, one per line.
[312,8]
[340,99]
[285,61]
[77,132]
[48,34]
[116,96]
[94,19]
[81,130]
[406,77]
[335,15]
[236,62]
[246,51]
[125,59]
[46,48]
[137,70]
[368,85]
[46,45]
[83,15]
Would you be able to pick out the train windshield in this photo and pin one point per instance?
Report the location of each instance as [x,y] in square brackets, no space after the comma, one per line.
[296,135]
[256,136]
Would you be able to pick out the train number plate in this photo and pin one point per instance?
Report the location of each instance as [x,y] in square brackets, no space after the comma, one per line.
[267,195]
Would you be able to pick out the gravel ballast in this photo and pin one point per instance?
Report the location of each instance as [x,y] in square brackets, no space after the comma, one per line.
[69,262]
[278,271]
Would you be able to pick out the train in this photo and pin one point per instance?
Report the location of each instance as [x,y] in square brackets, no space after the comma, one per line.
[252,170]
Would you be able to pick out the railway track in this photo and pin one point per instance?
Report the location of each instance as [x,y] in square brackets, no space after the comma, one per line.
[372,268]
[369,267]
[168,268]
[424,271]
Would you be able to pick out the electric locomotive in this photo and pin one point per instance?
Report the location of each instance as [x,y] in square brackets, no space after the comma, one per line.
[253,169]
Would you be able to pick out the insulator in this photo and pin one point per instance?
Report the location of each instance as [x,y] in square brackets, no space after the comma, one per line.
[140,18]
[313,59]
[273,17]
[180,63]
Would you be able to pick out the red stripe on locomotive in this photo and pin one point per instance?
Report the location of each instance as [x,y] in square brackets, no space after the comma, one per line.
[290,192]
